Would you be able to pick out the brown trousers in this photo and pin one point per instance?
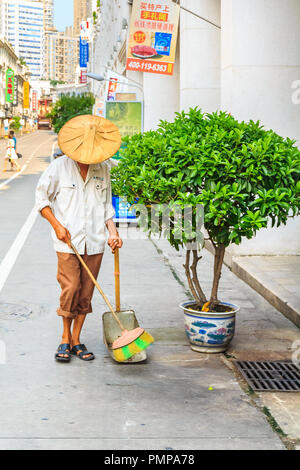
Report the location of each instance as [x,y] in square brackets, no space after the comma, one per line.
[76,286]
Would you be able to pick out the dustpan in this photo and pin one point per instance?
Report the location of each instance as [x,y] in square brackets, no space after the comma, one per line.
[111,330]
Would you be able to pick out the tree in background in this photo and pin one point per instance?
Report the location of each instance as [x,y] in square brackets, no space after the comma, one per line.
[69,106]
[15,124]
[56,82]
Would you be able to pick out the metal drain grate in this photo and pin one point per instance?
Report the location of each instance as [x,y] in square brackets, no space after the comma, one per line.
[271,376]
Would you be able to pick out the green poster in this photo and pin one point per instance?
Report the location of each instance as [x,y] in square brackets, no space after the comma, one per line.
[10,84]
[127,116]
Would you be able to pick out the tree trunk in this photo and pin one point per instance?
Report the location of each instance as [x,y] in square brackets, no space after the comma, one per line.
[218,263]
[193,280]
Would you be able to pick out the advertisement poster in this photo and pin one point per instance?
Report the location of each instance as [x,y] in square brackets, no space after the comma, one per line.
[83,53]
[10,84]
[153,36]
[26,100]
[127,116]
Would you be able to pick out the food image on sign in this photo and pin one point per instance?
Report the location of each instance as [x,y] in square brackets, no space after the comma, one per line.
[144,52]
[153,36]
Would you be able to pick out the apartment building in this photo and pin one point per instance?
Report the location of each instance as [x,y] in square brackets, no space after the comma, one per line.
[62,56]
[22,24]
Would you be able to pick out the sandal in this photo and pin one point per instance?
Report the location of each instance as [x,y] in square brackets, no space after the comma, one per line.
[63,349]
[83,352]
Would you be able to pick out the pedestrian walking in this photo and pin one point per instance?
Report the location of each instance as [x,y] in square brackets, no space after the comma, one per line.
[74,195]
[11,153]
[12,135]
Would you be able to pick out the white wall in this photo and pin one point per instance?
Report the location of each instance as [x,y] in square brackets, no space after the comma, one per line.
[196,79]
[260,59]
[274,241]
[200,56]
[162,95]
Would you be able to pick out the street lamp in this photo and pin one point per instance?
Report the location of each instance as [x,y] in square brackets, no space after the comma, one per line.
[101,78]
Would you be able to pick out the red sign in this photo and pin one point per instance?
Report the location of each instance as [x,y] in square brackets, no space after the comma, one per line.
[34,101]
[153,66]
[83,76]
[154,15]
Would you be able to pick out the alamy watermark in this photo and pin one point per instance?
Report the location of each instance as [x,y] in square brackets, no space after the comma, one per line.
[2,353]
[296,352]
[296,92]
[183,224]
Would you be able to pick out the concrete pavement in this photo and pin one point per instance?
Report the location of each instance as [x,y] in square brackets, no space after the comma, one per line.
[166,403]
[262,333]
[276,278]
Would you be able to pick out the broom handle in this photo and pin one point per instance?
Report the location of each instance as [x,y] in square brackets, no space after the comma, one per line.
[117,279]
[98,286]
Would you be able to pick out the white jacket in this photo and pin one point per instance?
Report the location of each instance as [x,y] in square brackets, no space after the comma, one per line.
[81,207]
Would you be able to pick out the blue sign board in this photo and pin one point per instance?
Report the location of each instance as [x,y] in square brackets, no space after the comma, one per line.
[83,53]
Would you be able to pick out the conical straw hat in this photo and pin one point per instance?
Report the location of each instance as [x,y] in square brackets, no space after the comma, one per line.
[89,139]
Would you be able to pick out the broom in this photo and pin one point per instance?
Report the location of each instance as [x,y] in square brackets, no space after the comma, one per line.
[130,342]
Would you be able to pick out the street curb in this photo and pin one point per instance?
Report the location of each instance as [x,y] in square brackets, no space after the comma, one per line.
[245,268]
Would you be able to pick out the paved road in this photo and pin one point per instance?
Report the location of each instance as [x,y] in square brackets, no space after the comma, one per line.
[162,404]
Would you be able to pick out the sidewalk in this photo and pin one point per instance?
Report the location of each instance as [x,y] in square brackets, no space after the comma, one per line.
[262,333]
[276,278]
[165,403]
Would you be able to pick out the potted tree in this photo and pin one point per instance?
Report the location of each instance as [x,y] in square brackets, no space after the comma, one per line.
[244,176]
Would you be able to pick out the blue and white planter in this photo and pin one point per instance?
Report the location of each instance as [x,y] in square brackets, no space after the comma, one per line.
[209,332]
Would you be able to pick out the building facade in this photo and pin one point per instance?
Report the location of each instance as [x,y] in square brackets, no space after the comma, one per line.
[247,63]
[23,27]
[62,56]
[83,9]
[9,60]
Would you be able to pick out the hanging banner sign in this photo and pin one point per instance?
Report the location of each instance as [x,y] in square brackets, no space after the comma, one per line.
[16,98]
[85,29]
[26,100]
[10,84]
[83,53]
[112,88]
[116,84]
[83,75]
[34,101]
[153,36]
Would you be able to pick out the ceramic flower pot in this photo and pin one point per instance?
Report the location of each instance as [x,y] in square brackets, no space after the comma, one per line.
[209,332]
